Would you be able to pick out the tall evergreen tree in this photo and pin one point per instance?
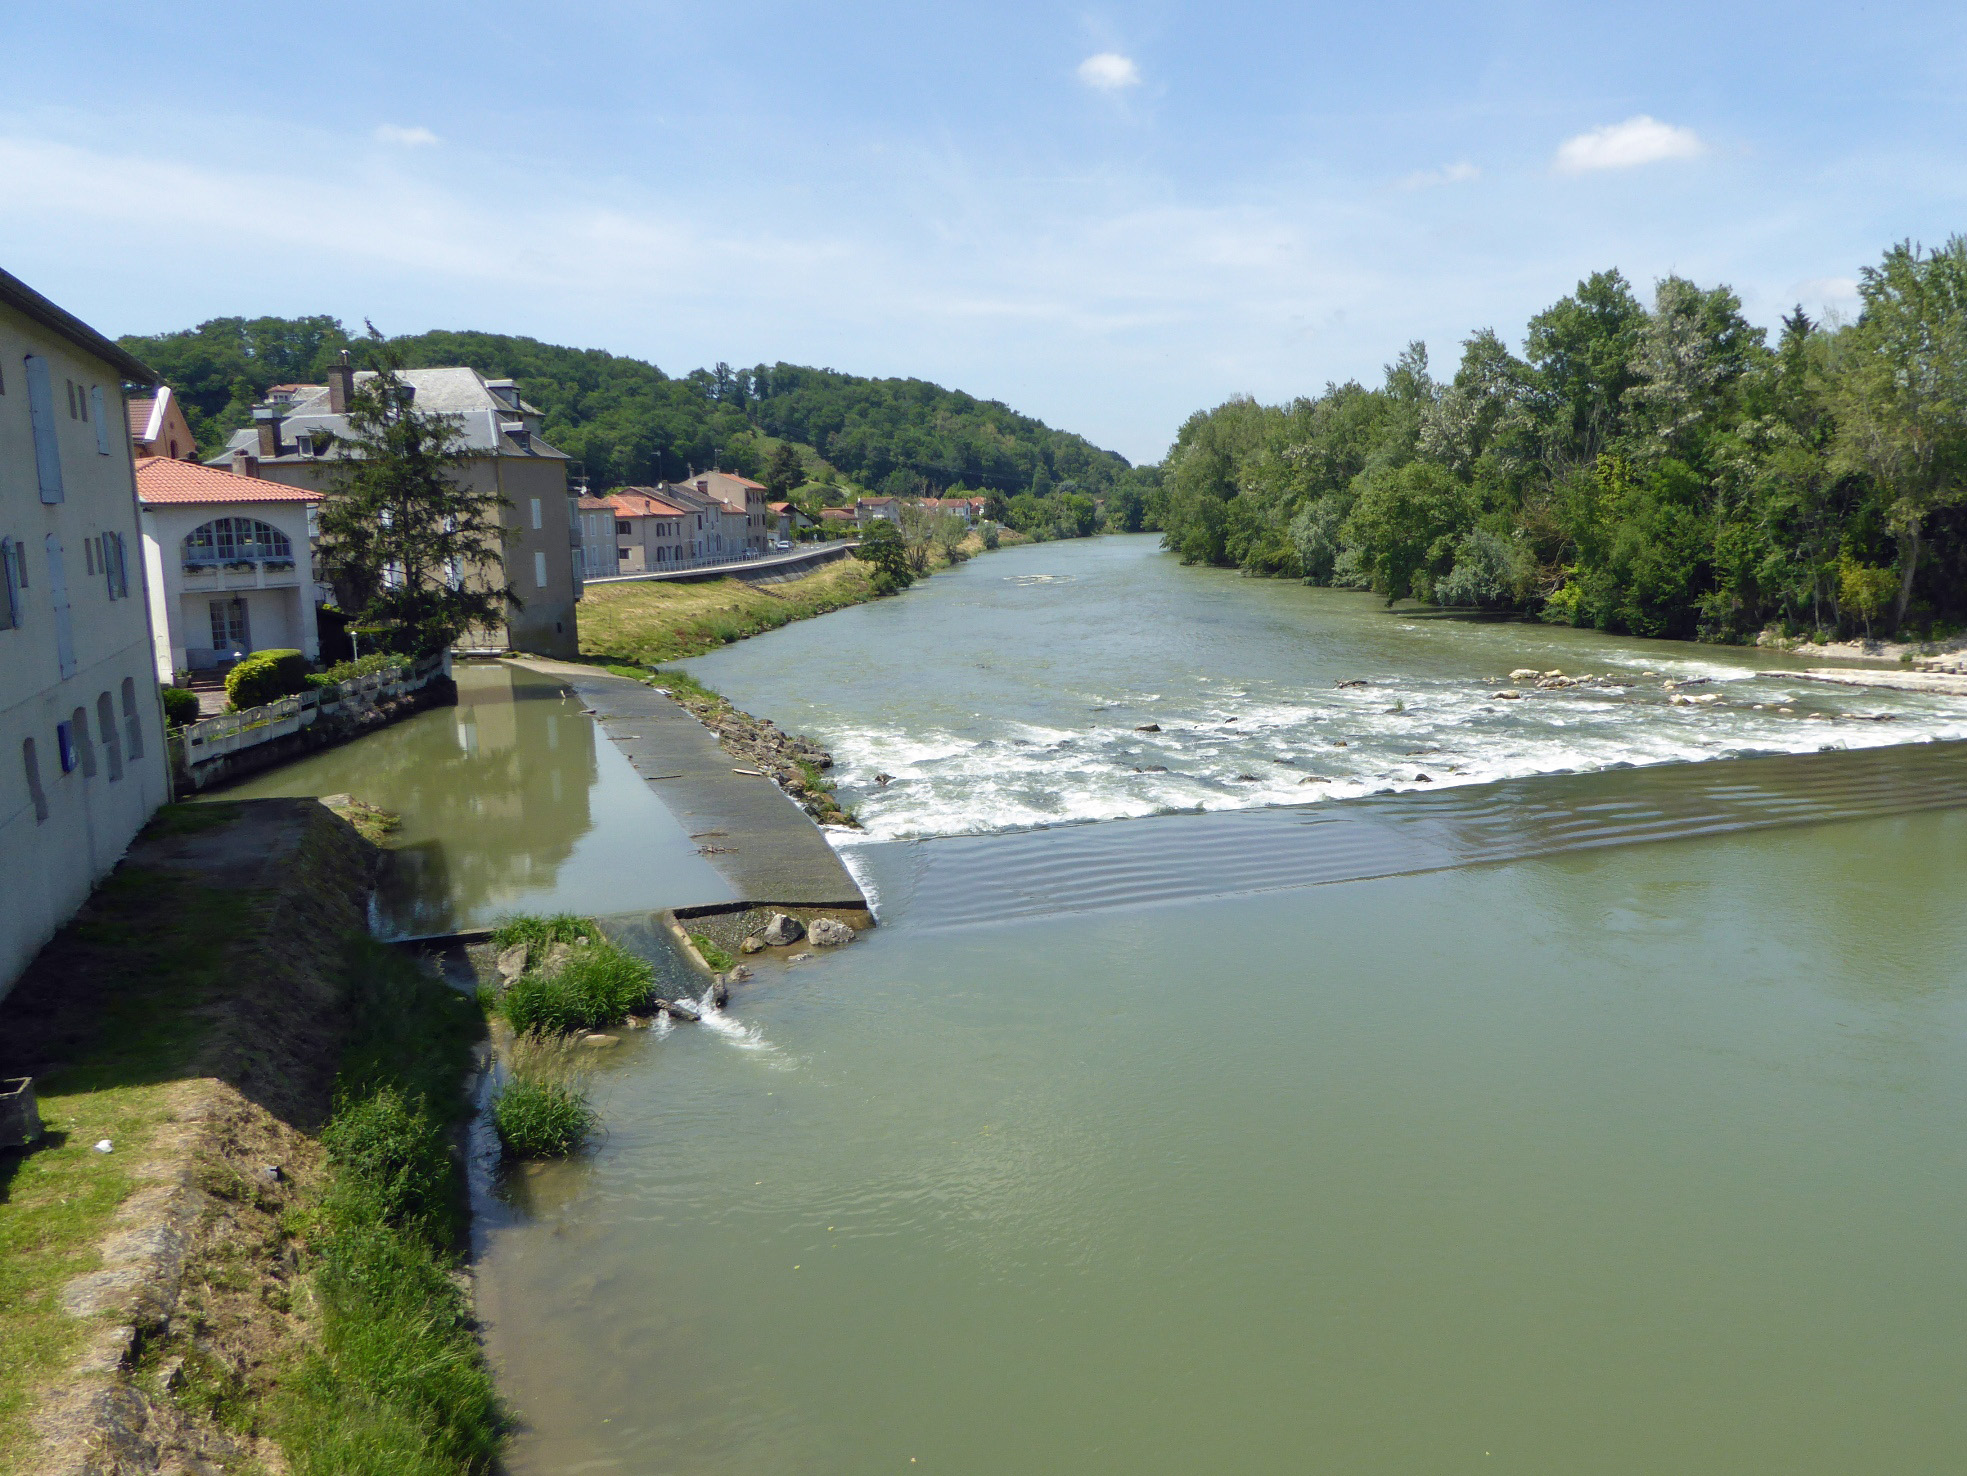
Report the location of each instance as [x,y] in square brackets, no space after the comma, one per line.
[413,553]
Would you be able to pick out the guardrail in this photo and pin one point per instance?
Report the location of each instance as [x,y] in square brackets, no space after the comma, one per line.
[209,739]
[751,564]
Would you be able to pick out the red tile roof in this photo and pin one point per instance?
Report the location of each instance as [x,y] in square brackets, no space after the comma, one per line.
[140,416]
[596,504]
[162,480]
[642,505]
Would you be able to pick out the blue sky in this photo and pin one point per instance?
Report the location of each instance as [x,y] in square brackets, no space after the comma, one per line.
[1106,217]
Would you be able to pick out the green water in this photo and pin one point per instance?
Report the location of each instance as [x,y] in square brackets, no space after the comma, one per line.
[1120,1148]
[511,801]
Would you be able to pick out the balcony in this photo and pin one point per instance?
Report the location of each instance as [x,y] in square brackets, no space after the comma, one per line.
[217,574]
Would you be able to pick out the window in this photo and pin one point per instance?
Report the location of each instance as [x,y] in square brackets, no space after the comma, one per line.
[539,570]
[58,597]
[13,579]
[78,729]
[132,722]
[236,541]
[71,397]
[41,413]
[621,527]
[116,565]
[111,743]
[32,763]
[102,420]
[536,513]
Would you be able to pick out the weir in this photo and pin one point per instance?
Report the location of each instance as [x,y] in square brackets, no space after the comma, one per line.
[771,853]
[967,880]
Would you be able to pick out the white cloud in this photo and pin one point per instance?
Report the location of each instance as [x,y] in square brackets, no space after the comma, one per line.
[1109,71]
[1640,140]
[1459,173]
[409,138]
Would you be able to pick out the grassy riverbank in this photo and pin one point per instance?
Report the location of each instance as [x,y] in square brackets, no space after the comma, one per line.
[645,624]
[238,1282]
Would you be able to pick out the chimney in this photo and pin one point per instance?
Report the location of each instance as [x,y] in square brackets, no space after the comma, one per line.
[245,464]
[266,420]
[703,486]
[341,385]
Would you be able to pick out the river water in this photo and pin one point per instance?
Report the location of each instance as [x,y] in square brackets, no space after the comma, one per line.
[1436,1126]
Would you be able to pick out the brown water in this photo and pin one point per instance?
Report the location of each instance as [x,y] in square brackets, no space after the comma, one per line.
[1609,1122]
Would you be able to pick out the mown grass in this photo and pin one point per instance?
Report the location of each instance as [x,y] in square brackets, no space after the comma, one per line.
[157,947]
[398,1384]
[643,624]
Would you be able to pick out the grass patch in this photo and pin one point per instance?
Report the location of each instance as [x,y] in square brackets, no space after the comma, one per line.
[596,987]
[398,1382]
[716,957]
[541,933]
[190,818]
[644,624]
[542,1111]
[153,949]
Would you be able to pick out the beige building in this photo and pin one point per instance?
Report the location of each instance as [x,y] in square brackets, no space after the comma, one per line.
[82,761]
[747,525]
[158,427]
[653,534]
[293,441]
[228,565]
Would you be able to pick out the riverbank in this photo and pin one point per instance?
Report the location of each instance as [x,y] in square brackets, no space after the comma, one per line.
[646,624]
[195,1263]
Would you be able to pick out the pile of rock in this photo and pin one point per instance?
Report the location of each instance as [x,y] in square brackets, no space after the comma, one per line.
[782,930]
[792,761]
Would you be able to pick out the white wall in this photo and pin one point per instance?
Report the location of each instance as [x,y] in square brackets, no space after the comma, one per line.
[280,604]
[51,855]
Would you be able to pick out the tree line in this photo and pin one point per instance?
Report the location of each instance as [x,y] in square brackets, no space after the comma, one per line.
[1662,470]
[629,424]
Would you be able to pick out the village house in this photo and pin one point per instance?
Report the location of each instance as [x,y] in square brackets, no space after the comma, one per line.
[654,534]
[228,563]
[293,440]
[81,726]
[867,509]
[596,516]
[746,502]
[158,427]
[970,509]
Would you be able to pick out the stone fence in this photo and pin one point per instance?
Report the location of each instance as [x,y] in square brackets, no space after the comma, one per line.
[237,743]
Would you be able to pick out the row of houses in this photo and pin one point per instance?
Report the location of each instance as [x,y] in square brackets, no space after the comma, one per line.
[889,510]
[714,517]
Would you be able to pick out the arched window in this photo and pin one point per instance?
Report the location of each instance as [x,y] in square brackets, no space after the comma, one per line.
[236,541]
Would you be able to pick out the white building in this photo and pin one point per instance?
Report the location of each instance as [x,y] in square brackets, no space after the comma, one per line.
[82,760]
[228,564]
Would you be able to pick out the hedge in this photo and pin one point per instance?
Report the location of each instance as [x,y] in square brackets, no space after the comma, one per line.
[265,676]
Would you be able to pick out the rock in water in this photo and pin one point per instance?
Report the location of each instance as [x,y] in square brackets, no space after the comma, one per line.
[720,994]
[783,929]
[752,944]
[1148,728]
[678,1009]
[512,963]
[1525,674]
[827,932]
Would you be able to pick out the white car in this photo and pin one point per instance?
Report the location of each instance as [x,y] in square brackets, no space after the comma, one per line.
[783,545]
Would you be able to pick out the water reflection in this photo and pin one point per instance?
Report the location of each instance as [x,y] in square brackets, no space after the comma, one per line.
[511,800]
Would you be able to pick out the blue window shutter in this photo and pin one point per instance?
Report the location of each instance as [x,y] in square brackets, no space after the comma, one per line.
[41,412]
[102,420]
[58,596]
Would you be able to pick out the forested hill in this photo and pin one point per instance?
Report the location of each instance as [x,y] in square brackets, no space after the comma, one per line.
[629,423]
[1662,470]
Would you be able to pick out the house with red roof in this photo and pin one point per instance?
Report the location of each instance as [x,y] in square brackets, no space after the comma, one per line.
[229,563]
[158,426]
[656,530]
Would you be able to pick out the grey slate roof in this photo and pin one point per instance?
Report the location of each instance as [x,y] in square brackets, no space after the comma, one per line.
[458,392]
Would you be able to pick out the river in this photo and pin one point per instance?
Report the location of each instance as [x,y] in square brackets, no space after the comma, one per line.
[1434,1126]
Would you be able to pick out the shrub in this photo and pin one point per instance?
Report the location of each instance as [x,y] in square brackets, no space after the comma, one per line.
[598,986]
[180,707]
[541,933]
[542,1119]
[348,671]
[265,676]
